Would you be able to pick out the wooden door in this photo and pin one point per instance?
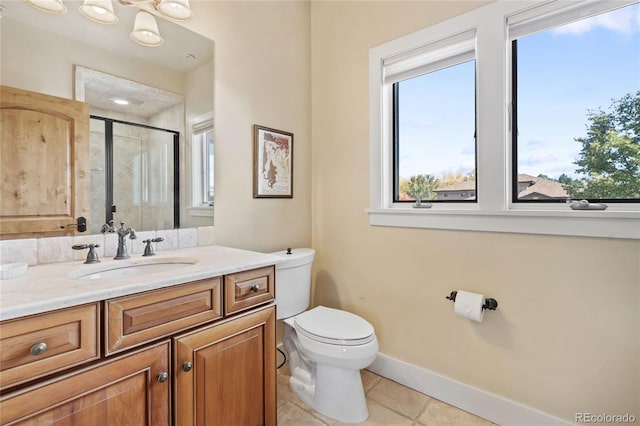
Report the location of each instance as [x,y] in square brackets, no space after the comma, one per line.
[123,392]
[44,161]
[233,376]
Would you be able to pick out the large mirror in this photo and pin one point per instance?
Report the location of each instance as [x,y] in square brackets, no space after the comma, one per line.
[151,160]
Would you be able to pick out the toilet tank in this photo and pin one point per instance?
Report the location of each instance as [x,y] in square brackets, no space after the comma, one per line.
[293,281]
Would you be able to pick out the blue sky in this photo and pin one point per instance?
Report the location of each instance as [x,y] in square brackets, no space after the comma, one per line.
[581,66]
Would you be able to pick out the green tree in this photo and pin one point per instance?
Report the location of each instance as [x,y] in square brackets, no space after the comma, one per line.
[564,179]
[421,186]
[610,154]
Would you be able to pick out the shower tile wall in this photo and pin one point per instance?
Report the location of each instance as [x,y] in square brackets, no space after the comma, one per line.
[131,144]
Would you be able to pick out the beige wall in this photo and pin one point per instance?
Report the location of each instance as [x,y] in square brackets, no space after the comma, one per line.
[565,337]
[262,76]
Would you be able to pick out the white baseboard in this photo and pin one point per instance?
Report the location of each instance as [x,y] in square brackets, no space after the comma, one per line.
[484,404]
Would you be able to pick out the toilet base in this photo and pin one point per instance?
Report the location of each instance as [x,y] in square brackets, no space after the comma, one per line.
[337,393]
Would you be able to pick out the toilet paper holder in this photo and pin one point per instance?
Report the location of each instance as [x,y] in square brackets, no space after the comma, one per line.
[489,304]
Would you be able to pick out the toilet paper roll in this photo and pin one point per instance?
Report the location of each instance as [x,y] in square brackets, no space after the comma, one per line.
[469,305]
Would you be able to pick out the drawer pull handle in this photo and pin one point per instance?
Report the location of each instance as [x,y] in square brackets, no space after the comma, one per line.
[163,376]
[38,349]
[187,366]
[255,288]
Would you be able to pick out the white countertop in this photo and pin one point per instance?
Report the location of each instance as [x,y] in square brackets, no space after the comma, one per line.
[47,287]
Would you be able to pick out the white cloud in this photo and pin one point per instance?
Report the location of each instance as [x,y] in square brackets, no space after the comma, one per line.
[625,20]
[538,158]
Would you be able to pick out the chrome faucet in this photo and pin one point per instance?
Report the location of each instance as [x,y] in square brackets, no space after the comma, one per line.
[122,246]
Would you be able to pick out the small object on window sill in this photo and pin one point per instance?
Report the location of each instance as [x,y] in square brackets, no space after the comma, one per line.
[586,205]
[420,205]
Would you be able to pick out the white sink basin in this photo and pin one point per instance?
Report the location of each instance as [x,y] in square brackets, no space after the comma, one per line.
[132,268]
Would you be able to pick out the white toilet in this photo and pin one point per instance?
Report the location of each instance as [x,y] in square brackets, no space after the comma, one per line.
[327,347]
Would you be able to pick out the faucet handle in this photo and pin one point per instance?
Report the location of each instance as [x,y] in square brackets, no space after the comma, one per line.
[92,256]
[148,249]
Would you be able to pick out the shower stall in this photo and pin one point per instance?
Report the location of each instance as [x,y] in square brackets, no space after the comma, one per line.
[134,175]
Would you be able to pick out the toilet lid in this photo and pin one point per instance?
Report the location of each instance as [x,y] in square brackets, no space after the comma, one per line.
[334,326]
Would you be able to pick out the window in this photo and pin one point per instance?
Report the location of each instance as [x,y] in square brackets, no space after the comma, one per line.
[434,144]
[206,144]
[400,73]
[576,97]
[202,147]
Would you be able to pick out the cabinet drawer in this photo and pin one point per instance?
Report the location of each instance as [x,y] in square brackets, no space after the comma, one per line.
[248,288]
[134,320]
[38,345]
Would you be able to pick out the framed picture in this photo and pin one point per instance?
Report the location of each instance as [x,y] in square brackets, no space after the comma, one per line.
[272,163]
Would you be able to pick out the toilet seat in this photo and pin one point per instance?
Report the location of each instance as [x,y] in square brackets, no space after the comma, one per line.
[333,326]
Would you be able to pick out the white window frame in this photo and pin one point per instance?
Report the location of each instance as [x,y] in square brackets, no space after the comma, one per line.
[494,211]
[199,126]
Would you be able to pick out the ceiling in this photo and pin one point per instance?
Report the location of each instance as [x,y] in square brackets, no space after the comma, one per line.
[144,101]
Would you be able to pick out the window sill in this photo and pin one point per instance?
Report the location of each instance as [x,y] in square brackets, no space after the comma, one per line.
[610,224]
[204,211]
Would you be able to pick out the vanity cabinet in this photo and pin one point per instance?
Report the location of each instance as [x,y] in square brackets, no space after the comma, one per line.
[127,390]
[225,374]
[171,355]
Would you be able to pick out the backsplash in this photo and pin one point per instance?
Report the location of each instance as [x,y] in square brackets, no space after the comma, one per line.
[34,251]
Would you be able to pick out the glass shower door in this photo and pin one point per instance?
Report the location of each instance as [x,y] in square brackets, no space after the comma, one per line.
[143,177]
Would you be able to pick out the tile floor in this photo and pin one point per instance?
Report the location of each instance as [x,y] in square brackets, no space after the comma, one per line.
[390,404]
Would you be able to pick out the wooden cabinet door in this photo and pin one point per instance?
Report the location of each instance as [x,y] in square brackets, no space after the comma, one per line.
[44,161]
[124,392]
[232,375]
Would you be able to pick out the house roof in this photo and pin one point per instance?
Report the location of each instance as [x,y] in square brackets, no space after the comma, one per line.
[467,185]
[537,187]
[542,188]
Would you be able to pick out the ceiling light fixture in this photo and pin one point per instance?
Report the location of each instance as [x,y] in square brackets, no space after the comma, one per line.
[100,11]
[50,6]
[145,29]
[174,10]
[120,101]
[177,10]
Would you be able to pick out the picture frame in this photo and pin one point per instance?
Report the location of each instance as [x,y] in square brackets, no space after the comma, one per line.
[272,163]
